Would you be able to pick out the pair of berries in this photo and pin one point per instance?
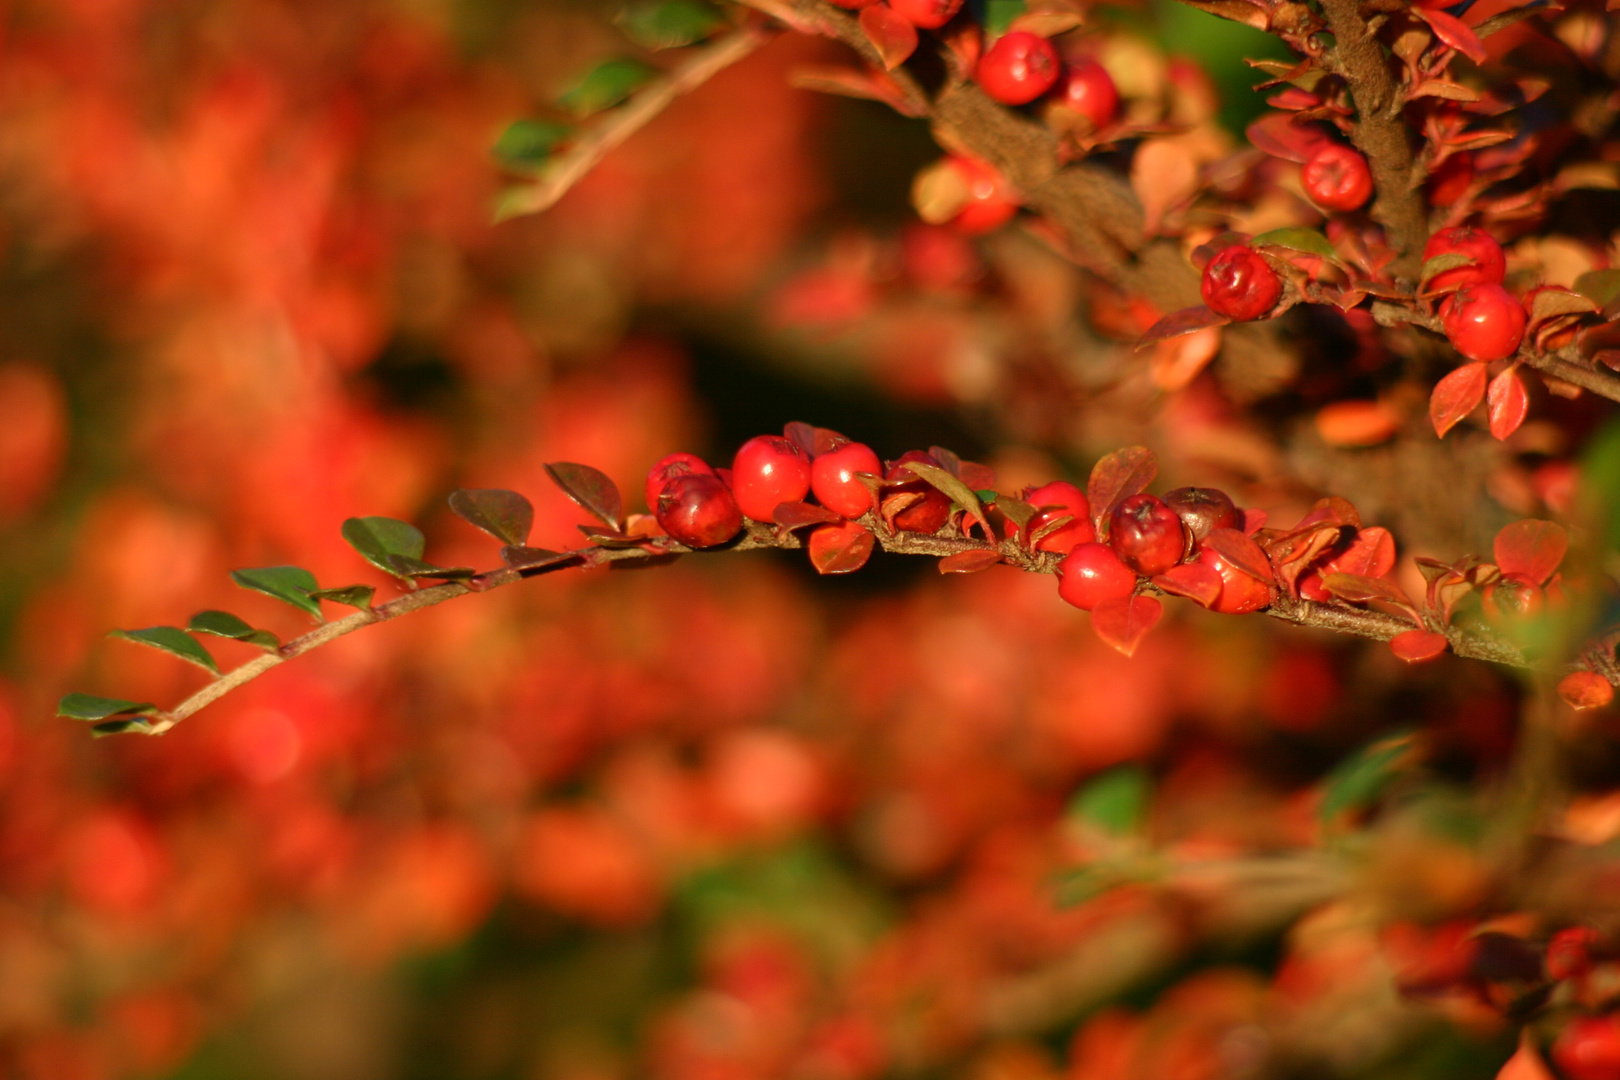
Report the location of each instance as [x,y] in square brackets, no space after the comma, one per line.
[1481,319]
[1021,67]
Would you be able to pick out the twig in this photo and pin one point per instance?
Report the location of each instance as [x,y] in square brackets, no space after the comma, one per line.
[1595,380]
[570,167]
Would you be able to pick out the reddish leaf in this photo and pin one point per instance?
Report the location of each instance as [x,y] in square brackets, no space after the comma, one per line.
[1360,589]
[1455,396]
[535,560]
[947,459]
[1371,553]
[1194,580]
[1124,623]
[802,435]
[505,515]
[1506,402]
[1118,476]
[840,549]
[1416,646]
[976,476]
[969,562]
[1242,552]
[1295,554]
[1254,521]
[1454,32]
[1186,321]
[590,488]
[891,35]
[891,506]
[1443,88]
[1585,690]
[1279,136]
[1530,547]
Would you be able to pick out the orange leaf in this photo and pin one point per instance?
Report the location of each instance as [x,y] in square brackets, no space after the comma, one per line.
[891,35]
[1530,547]
[1356,423]
[840,549]
[1416,646]
[1359,589]
[1454,32]
[1194,580]
[1244,554]
[1124,623]
[1118,476]
[969,562]
[1506,402]
[1455,396]
[1371,553]
[1585,690]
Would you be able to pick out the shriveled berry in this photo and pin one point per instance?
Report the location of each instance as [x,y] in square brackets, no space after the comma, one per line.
[1147,534]
[1240,284]
[1337,178]
[926,14]
[1018,68]
[1086,88]
[767,471]
[1489,264]
[1589,1048]
[668,468]
[1484,322]
[1091,573]
[1202,509]
[698,510]
[1063,500]
[1240,592]
[832,479]
[932,509]
[1512,596]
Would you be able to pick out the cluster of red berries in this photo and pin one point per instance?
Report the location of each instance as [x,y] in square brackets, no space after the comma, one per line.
[1481,318]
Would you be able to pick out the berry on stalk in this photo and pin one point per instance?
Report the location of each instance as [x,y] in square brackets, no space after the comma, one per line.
[1091,573]
[1202,509]
[1147,534]
[1018,68]
[698,510]
[1240,593]
[668,468]
[1484,322]
[926,14]
[930,512]
[833,480]
[1589,1048]
[1489,265]
[1086,88]
[1240,284]
[767,471]
[1337,178]
[1064,500]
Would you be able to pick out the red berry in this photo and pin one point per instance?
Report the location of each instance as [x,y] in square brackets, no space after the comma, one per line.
[1065,500]
[926,14]
[1018,68]
[1240,593]
[1240,284]
[989,203]
[668,468]
[698,510]
[1569,953]
[1589,1049]
[1484,322]
[1202,509]
[1512,596]
[1337,178]
[767,471]
[1147,534]
[929,512]
[1489,265]
[1091,573]
[832,478]
[1088,89]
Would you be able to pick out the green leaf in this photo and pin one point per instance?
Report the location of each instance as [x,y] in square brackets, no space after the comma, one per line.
[1307,240]
[670,24]
[172,640]
[526,145]
[355,596]
[119,727]
[224,624]
[505,515]
[289,584]
[90,707]
[1602,286]
[1114,802]
[1362,777]
[987,495]
[383,540]
[606,85]
[999,14]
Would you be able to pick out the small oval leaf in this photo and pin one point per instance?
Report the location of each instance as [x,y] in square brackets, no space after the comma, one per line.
[1186,321]
[91,707]
[505,515]
[1530,547]
[1115,802]
[952,488]
[670,24]
[840,549]
[1194,580]
[1360,589]
[969,562]
[526,145]
[1123,623]
[1455,396]
[894,38]
[796,515]
[1294,239]
[1506,402]
[590,488]
[1118,476]
[355,596]
[1454,32]
[289,584]
[224,624]
[391,545]
[1243,553]
[606,85]
[1416,646]
[172,640]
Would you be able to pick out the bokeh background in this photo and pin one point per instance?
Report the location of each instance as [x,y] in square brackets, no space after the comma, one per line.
[716,820]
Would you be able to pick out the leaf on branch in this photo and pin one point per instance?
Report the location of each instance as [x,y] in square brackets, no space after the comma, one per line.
[1505,19]
[526,145]
[999,14]
[1531,547]
[1048,18]
[796,515]
[529,561]
[1442,88]
[1308,241]
[1454,32]
[1602,286]
[1014,510]
[1123,623]
[1361,589]
[1371,552]
[1552,302]
[952,487]
[1585,690]
[120,727]
[868,85]
[172,640]
[1116,477]
[969,562]
[840,549]
[1194,580]
[1506,402]
[505,515]
[607,84]
[890,33]
[224,624]
[289,584]
[1237,11]
[1416,646]
[392,546]
[670,24]
[1455,396]
[1114,803]
[1439,264]
[1186,321]
[1361,778]
[355,596]
[590,488]
[1278,135]
[91,707]
[1243,553]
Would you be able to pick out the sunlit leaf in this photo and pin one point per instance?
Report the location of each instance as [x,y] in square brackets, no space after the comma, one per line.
[840,549]
[1602,286]
[224,624]
[1439,264]
[505,515]
[1455,396]
[289,584]
[1506,402]
[670,23]
[1531,547]
[894,38]
[1116,477]
[91,707]
[606,85]
[1123,623]
[1115,802]
[528,559]
[590,488]
[1278,135]
[526,145]
[1371,552]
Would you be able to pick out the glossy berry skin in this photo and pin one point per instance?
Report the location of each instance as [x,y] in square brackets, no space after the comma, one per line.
[1066,500]
[1240,284]
[1337,178]
[1489,264]
[1512,596]
[769,470]
[1146,534]
[698,510]
[926,14]
[929,513]
[668,468]
[1091,573]
[1240,593]
[1483,322]
[988,206]
[1589,1049]
[1202,509]
[832,479]
[1018,68]
[1086,88]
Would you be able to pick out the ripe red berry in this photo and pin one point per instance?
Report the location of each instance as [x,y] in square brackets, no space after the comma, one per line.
[988,204]
[698,510]
[1240,592]
[1202,509]
[1018,68]
[832,478]
[1569,953]
[1065,500]
[1091,573]
[931,510]
[1086,88]
[1512,596]
[1147,534]
[1240,284]
[1337,178]
[926,14]
[668,468]
[769,470]
[1489,265]
[1484,322]
[1589,1048]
